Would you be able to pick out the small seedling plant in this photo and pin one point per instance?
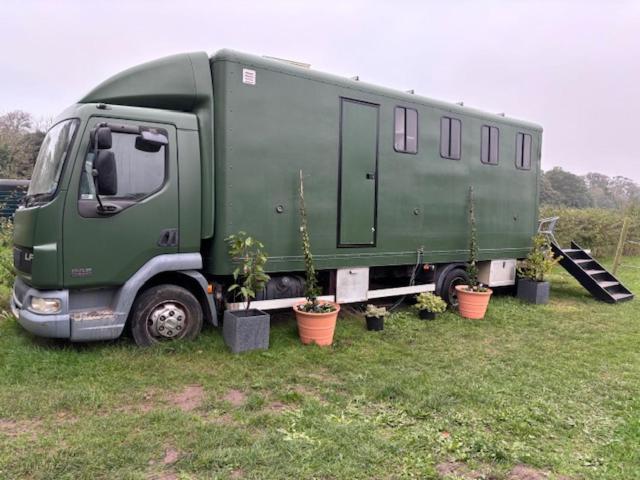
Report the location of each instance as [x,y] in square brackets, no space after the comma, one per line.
[472,267]
[429,302]
[249,277]
[311,288]
[373,311]
[540,260]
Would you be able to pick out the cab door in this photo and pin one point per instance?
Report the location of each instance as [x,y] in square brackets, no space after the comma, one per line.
[107,249]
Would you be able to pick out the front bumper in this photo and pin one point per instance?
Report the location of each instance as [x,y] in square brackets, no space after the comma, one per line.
[92,318]
[51,326]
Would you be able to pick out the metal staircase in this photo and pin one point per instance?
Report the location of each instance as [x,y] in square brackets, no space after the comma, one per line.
[585,269]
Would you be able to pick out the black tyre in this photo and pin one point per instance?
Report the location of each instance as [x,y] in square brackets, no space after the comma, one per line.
[165,313]
[457,276]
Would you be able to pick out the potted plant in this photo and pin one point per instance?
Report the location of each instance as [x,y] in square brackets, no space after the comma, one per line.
[247,329]
[532,286]
[316,318]
[375,317]
[473,299]
[428,305]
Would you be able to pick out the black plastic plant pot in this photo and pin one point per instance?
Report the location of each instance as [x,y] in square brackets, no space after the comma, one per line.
[375,324]
[246,330]
[426,315]
[533,292]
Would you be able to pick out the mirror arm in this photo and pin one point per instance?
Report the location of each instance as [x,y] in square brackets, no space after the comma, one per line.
[94,172]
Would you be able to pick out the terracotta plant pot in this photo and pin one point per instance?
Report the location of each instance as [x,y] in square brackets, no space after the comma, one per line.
[472,304]
[316,328]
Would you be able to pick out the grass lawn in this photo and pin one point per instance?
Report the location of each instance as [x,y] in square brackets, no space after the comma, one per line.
[552,389]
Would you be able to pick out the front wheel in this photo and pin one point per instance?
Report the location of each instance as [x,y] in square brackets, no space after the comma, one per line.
[164,313]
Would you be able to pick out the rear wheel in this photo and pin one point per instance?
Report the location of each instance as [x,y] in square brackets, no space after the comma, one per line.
[165,313]
[455,277]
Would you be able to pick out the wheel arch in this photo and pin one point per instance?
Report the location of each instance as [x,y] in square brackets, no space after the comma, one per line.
[180,267]
[190,280]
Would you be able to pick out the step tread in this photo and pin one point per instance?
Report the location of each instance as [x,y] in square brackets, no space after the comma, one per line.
[571,250]
[583,260]
[594,272]
[619,296]
[608,284]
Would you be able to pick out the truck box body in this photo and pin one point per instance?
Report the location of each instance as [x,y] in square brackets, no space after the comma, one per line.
[295,119]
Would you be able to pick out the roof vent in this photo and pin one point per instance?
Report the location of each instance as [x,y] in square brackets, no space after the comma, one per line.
[290,62]
[460,103]
[356,78]
[501,114]
[412,91]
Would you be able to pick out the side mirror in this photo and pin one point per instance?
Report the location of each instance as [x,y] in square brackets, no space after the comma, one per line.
[149,141]
[103,135]
[105,173]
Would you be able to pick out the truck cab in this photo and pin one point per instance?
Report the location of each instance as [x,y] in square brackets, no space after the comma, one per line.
[82,254]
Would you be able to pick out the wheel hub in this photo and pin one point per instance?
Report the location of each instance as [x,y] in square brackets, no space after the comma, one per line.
[167,320]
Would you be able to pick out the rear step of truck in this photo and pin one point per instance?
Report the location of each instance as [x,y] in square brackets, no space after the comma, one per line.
[591,275]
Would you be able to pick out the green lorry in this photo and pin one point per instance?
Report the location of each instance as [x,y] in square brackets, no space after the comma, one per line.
[137,185]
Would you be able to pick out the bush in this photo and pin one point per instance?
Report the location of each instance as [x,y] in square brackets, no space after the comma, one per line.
[6,256]
[430,302]
[594,228]
[540,260]
[6,262]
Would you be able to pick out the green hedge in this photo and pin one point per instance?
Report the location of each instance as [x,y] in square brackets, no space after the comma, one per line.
[594,228]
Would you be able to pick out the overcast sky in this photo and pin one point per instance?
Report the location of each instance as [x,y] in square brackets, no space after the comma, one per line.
[571,66]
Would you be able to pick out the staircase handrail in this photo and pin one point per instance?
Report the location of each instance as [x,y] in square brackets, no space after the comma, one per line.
[546,226]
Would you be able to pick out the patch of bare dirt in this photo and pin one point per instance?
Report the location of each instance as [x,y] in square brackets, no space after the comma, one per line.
[276,407]
[163,476]
[235,398]
[236,473]
[523,472]
[171,455]
[461,470]
[189,398]
[16,428]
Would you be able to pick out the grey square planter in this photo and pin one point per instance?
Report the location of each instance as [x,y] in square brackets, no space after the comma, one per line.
[533,292]
[245,330]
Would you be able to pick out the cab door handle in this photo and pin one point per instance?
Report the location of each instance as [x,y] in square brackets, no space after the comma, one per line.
[371,176]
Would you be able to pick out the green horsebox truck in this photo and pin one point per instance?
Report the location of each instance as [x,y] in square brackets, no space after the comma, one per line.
[138,184]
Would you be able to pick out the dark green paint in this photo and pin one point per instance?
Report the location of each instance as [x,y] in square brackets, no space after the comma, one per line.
[233,176]
[358,160]
[179,82]
[115,247]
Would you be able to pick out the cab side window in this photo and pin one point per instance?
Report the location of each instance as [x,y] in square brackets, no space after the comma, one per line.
[139,173]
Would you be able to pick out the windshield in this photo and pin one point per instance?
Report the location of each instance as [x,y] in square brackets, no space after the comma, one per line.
[53,152]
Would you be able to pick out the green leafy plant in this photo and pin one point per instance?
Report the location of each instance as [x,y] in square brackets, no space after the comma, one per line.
[249,277]
[430,302]
[7,273]
[311,288]
[472,266]
[540,260]
[373,311]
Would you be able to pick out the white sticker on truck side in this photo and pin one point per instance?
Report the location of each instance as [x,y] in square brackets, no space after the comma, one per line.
[248,76]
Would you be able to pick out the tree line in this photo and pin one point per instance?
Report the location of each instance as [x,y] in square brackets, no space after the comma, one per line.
[21,135]
[20,138]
